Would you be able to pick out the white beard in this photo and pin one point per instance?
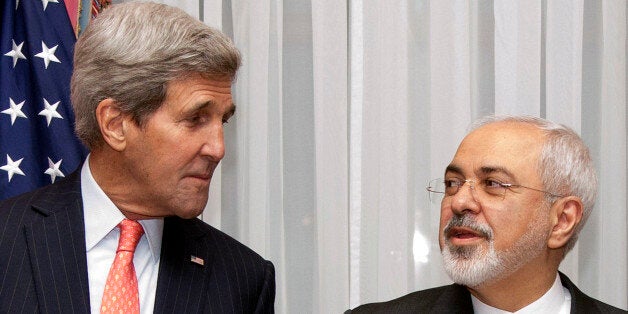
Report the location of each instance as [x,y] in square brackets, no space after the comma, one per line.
[473,265]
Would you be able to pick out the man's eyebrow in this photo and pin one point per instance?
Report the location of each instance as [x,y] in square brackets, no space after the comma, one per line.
[199,106]
[495,169]
[453,168]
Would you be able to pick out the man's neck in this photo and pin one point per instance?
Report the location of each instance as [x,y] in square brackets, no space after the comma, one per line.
[109,174]
[518,289]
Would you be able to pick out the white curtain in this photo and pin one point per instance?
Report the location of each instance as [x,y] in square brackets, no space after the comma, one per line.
[346,109]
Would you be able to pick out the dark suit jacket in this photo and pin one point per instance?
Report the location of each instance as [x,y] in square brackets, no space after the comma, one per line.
[43,264]
[457,299]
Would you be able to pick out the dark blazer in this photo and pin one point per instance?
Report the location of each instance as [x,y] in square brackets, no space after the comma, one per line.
[43,264]
[457,299]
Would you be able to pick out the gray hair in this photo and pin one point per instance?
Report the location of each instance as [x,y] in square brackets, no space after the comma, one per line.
[130,53]
[565,165]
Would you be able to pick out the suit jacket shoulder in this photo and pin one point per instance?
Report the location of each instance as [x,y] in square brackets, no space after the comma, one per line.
[582,303]
[204,270]
[43,267]
[446,299]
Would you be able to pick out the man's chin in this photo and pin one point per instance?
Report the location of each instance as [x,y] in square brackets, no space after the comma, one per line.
[190,208]
[471,265]
[189,215]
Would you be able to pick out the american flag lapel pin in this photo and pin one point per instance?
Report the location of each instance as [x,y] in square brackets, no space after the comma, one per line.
[197,260]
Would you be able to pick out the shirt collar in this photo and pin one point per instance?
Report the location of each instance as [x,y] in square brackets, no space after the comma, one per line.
[552,301]
[102,215]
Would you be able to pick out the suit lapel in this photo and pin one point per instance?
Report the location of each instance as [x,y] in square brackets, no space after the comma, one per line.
[580,303]
[56,248]
[455,299]
[183,268]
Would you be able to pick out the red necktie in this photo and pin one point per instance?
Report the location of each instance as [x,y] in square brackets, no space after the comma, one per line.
[121,294]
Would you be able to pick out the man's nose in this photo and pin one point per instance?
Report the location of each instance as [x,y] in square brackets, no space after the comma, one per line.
[465,198]
[214,145]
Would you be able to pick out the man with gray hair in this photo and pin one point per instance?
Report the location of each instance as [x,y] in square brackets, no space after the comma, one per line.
[151,91]
[513,199]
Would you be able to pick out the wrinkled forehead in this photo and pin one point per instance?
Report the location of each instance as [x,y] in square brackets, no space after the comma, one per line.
[512,146]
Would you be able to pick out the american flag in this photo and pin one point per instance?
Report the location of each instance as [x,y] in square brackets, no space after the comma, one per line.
[37,141]
[197,260]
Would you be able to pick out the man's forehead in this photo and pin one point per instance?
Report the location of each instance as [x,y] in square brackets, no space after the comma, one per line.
[505,137]
[499,147]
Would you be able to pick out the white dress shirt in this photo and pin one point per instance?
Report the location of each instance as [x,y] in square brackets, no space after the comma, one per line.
[101,239]
[557,300]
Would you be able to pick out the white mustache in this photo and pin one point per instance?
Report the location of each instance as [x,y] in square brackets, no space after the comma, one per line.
[467,221]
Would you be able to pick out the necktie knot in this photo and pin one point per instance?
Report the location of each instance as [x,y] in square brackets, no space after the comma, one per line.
[130,233]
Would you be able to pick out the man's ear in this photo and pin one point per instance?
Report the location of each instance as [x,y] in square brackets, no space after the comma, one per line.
[111,122]
[566,214]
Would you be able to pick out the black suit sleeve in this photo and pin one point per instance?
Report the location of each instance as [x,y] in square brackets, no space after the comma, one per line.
[266,301]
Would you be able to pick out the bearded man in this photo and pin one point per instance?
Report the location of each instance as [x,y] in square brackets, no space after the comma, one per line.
[514,199]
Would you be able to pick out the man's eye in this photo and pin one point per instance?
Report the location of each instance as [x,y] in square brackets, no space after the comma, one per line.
[449,183]
[227,117]
[492,184]
[195,119]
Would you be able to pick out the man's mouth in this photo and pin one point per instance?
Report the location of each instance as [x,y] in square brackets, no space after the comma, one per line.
[202,176]
[205,177]
[463,235]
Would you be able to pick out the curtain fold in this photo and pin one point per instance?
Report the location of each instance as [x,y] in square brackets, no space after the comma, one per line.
[346,110]
[356,102]
[329,29]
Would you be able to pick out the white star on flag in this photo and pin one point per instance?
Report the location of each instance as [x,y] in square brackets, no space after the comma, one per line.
[50,111]
[16,53]
[12,167]
[48,54]
[14,110]
[53,170]
[45,3]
